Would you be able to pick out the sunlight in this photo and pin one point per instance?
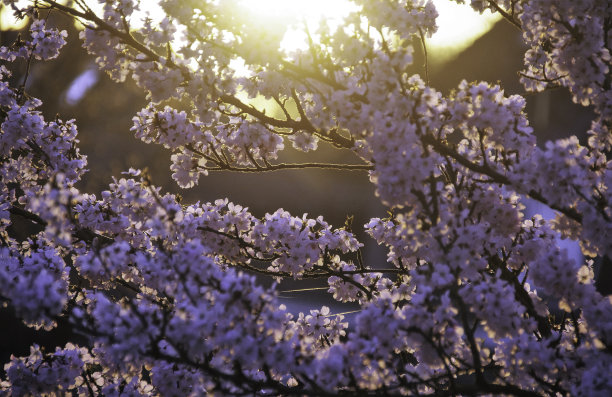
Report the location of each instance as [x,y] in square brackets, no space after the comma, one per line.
[298,12]
[297,9]
[458,24]
[8,20]
[458,27]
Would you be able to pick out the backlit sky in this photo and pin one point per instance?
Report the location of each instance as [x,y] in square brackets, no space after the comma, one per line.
[458,25]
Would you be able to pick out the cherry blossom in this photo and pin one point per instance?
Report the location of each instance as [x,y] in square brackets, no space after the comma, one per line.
[474,297]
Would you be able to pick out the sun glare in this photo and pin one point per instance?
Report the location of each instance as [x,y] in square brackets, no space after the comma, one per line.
[299,8]
[458,25]
[296,14]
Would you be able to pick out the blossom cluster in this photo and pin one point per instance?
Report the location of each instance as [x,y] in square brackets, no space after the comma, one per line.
[569,45]
[475,297]
[43,44]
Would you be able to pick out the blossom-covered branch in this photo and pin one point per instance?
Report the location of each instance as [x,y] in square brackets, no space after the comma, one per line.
[475,297]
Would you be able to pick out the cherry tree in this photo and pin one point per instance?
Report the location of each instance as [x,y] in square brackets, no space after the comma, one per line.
[474,297]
